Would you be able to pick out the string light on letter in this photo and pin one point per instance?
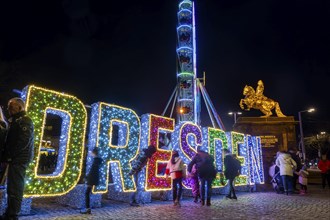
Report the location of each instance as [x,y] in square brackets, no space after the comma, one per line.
[151,126]
[237,146]
[255,157]
[39,103]
[215,140]
[103,119]
[186,138]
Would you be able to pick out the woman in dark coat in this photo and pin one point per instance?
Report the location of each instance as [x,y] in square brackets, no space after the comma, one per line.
[92,179]
[232,170]
[204,164]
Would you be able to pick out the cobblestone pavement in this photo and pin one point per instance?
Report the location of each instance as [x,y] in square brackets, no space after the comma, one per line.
[258,205]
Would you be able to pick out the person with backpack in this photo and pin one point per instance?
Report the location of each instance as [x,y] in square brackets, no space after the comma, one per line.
[232,170]
[206,173]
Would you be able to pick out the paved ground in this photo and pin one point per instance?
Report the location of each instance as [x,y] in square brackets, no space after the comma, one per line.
[266,205]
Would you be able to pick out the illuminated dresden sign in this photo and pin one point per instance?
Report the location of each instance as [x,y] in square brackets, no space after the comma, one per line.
[134,134]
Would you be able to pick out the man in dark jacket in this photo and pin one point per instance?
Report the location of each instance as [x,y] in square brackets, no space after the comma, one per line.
[206,173]
[232,170]
[93,179]
[137,165]
[18,153]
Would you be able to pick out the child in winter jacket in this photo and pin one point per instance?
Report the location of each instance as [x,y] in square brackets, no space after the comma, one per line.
[175,168]
[303,180]
[193,175]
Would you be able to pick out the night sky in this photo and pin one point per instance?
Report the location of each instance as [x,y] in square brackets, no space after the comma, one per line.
[124,52]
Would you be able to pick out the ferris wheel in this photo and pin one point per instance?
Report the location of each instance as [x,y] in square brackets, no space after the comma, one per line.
[186,97]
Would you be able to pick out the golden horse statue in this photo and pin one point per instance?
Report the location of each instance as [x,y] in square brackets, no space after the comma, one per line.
[256,100]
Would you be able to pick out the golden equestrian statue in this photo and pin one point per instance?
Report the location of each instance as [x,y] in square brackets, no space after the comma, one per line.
[256,100]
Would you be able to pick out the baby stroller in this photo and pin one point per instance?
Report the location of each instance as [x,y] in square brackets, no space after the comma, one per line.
[277,181]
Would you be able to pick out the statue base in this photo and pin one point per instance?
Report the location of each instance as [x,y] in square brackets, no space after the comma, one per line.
[277,134]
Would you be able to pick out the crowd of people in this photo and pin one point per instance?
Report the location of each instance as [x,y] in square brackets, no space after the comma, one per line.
[16,152]
[287,170]
[201,171]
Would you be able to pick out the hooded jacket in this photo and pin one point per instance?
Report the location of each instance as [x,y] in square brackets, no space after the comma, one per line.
[232,167]
[176,169]
[286,164]
[94,173]
[204,165]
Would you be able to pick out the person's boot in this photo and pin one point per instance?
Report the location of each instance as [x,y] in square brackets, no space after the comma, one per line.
[196,199]
[135,204]
[228,197]
[208,202]
[203,202]
[86,211]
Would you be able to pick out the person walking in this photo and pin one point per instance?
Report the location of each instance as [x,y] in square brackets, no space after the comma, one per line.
[137,165]
[287,166]
[206,173]
[93,179]
[18,154]
[175,169]
[324,166]
[232,170]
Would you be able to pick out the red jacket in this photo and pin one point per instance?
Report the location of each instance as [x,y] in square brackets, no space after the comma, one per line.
[324,165]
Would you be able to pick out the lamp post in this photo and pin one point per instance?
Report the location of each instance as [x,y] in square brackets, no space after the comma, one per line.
[235,115]
[302,133]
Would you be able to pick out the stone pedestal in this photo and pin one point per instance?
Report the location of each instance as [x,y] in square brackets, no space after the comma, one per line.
[276,134]
[113,194]
[76,198]
[25,208]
